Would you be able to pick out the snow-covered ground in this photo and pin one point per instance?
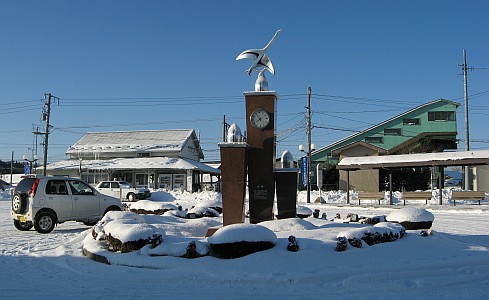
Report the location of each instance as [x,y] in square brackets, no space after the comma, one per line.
[453,263]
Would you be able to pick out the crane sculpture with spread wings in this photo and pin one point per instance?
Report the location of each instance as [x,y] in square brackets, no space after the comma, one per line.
[259,57]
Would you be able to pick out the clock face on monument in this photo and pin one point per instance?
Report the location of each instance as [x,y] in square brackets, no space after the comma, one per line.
[260,118]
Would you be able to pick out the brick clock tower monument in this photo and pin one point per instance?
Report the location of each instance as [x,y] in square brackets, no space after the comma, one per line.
[260,127]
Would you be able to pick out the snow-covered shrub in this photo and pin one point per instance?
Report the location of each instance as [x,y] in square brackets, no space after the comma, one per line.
[412,218]
[379,233]
[238,240]
[126,232]
[150,207]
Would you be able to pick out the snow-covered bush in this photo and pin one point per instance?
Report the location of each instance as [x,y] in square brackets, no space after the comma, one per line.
[412,218]
[126,232]
[150,207]
[238,240]
[379,233]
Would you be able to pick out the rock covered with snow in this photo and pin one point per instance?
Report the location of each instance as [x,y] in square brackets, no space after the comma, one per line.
[238,240]
[412,218]
[410,214]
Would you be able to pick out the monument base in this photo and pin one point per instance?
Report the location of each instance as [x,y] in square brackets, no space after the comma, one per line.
[286,184]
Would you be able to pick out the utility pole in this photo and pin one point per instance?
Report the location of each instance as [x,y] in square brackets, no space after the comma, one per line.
[466,113]
[36,132]
[45,117]
[309,144]
[467,169]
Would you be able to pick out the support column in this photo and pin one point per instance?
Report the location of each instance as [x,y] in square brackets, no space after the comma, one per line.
[234,159]
[390,186]
[441,184]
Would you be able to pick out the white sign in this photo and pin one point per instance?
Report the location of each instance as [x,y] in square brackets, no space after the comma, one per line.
[319,176]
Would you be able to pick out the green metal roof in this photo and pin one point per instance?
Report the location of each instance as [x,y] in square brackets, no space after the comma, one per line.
[393,132]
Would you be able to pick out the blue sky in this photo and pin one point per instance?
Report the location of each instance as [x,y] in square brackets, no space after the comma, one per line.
[136,65]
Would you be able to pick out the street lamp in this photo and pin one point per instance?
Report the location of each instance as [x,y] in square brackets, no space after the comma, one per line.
[34,158]
[311,147]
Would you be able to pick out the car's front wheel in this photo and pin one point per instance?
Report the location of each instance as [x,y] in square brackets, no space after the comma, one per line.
[23,226]
[44,222]
[131,197]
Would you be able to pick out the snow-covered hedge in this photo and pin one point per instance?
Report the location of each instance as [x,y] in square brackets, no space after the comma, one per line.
[126,232]
[378,233]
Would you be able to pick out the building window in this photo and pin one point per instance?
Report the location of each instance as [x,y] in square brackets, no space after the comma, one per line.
[441,116]
[374,140]
[392,131]
[409,122]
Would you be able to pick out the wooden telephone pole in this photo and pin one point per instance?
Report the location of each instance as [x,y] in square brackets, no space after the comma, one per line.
[45,117]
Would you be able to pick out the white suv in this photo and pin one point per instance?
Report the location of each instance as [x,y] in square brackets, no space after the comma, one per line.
[123,190]
[43,202]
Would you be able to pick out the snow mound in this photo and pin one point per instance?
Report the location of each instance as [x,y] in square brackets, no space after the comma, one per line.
[288,225]
[410,214]
[126,231]
[175,249]
[204,211]
[303,210]
[149,205]
[119,215]
[242,233]
[383,228]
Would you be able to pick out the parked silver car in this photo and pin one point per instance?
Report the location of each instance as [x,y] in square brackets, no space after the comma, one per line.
[43,202]
[123,190]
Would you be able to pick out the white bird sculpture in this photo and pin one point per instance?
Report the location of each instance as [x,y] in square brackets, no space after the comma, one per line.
[259,57]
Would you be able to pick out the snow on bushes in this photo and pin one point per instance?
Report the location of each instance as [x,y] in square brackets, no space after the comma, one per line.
[238,240]
[204,209]
[412,218]
[192,249]
[126,232]
[378,233]
[150,207]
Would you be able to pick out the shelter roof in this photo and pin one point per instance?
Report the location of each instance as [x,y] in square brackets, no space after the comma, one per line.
[140,163]
[132,141]
[465,158]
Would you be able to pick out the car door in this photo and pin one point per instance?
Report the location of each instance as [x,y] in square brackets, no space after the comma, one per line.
[115,190]
[86,202]
[58,198]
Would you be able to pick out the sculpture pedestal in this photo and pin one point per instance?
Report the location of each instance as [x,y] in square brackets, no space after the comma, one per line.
[286,184]
[234,159]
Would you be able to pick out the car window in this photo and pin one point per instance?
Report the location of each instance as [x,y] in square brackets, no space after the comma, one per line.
[25,184]
[56,187]
[80,188]
[105,185]
[126,185]
[114,185]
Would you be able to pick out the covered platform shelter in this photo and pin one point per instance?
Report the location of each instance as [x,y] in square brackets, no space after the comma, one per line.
[439,160]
